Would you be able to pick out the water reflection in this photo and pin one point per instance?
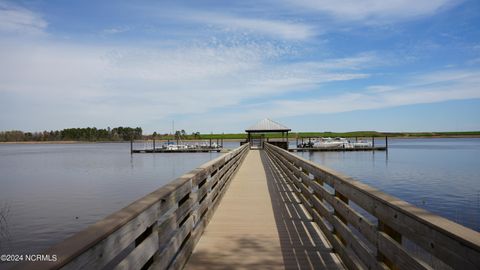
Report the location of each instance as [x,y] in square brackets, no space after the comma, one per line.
[4,230]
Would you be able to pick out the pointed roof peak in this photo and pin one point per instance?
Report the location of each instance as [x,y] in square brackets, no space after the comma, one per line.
[267,125]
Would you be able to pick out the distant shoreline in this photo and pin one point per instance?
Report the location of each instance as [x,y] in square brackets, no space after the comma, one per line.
[237,140]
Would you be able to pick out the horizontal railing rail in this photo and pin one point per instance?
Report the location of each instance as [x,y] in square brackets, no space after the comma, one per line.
[159,230]
[372,230]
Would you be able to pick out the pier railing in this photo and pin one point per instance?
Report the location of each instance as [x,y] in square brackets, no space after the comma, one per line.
[372,230]
[158,230]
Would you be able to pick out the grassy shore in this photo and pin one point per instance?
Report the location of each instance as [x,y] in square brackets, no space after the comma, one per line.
[349,134]
[58,142]
[293,135]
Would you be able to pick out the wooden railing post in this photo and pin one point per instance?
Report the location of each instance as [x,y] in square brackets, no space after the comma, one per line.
[382,227]
[344,199]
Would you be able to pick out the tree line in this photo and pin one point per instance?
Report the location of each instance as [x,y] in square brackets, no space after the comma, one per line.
[74,134]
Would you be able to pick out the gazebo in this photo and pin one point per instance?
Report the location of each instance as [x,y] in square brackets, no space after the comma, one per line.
[256,134]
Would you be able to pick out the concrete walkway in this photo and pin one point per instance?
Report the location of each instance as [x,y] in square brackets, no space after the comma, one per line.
[259,224]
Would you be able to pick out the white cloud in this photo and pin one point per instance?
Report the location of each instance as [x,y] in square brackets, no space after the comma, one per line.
[428,88]
[132,86]
[142,84]
[17,20]
[272,28]
[360,61]
[374,10]
[116,30]
[446,76]
[380,88]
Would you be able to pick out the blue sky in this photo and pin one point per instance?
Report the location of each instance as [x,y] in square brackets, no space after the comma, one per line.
[217,66]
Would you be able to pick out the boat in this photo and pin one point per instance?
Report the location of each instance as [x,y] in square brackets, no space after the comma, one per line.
[177,147]
[331,143]
[335,143]
[362,144]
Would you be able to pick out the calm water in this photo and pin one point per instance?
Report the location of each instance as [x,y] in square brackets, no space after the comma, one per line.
[44,188]
[440,175]
[51,191]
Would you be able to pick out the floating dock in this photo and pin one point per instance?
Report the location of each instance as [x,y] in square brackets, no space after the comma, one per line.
[313,149]
[193,150]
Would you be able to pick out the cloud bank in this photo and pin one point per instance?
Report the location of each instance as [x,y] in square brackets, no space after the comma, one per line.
[248,68]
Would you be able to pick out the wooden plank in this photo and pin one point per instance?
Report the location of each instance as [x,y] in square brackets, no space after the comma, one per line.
[182,257]
[304,200]
[411,222]
[243,232]
[141,254]
[360,249]
[348,257]
[101,254]
[167,252]
[361,223]
[169,222]
[200,222]
[398,255]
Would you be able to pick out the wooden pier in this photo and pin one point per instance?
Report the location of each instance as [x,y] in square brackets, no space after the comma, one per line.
[268,209]
[261,225]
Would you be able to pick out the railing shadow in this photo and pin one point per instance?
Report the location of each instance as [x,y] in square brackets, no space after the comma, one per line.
[238,255]
[303,244]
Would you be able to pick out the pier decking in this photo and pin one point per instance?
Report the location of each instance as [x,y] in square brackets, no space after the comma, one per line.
[260,224]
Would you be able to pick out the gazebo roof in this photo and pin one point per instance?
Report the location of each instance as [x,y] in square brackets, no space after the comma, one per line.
[267,125]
